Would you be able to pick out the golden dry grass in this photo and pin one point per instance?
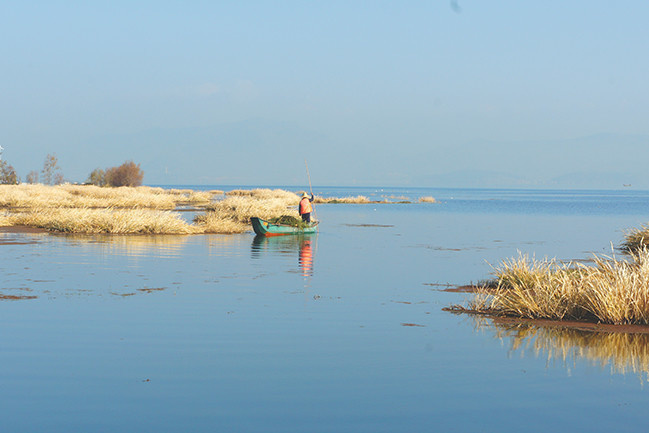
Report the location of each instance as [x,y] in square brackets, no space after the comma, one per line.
[265,194]
[211,222]
[232,214]
[636,239]
[92,209]
[622,352]
[427,199]
[359,199]
[27,196]
[610,291]
[113,221]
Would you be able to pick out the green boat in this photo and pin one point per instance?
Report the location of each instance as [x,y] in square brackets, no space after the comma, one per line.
[265,228]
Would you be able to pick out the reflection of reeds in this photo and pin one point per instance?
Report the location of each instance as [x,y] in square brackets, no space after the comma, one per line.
[157,245]
[624,352]
[612,291]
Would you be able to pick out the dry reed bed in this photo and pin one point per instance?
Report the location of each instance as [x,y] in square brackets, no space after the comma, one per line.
[114,221]
[612,291]
[89,196]
[142,210]
[232,214]
[92,209]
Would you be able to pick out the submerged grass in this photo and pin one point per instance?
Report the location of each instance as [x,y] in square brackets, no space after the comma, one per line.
[613,291]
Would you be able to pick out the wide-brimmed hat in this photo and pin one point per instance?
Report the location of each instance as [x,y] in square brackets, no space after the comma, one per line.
[304,194]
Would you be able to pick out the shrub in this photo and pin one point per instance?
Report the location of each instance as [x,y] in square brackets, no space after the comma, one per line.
[127,174]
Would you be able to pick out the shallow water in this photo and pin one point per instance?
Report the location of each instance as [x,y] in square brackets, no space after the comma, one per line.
[339,331]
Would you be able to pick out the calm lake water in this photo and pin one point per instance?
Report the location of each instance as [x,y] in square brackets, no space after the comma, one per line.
[337,332]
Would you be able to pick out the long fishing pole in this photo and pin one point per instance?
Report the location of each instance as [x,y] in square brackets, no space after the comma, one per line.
[310,188]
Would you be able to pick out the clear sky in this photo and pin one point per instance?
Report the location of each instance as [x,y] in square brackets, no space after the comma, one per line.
[415,93]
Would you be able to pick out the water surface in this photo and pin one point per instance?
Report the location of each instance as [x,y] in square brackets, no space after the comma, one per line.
[339,331]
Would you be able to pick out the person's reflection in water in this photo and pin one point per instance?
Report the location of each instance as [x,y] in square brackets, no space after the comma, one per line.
[304,245]
[306,257]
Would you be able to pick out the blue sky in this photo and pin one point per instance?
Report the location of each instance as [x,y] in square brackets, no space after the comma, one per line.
[416,93]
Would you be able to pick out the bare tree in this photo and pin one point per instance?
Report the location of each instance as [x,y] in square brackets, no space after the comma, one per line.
[32,177]
[58,178]
[97,177]
[8,175]
[51,170]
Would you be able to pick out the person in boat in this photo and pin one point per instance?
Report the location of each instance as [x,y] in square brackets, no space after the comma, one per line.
[305,207]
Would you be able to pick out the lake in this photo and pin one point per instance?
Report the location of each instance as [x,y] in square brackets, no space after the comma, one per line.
[340,331]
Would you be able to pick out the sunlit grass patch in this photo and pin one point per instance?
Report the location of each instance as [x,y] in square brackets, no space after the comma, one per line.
[359,199]
[427,199]
[27,196]
[233,213]
[114,221]
[614,291]
[636,239]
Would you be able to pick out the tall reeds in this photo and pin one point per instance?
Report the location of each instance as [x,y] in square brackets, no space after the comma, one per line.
[614,291]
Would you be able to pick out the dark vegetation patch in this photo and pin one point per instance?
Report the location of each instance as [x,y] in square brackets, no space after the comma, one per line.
[5,297]
[151,289]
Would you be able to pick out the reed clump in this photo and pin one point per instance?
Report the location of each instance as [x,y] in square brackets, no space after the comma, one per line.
[636,239]
[612,291]
[427,199]
[232,214]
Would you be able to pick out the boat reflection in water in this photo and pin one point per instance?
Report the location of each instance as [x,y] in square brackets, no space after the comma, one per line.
[622,352]
[303,245]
